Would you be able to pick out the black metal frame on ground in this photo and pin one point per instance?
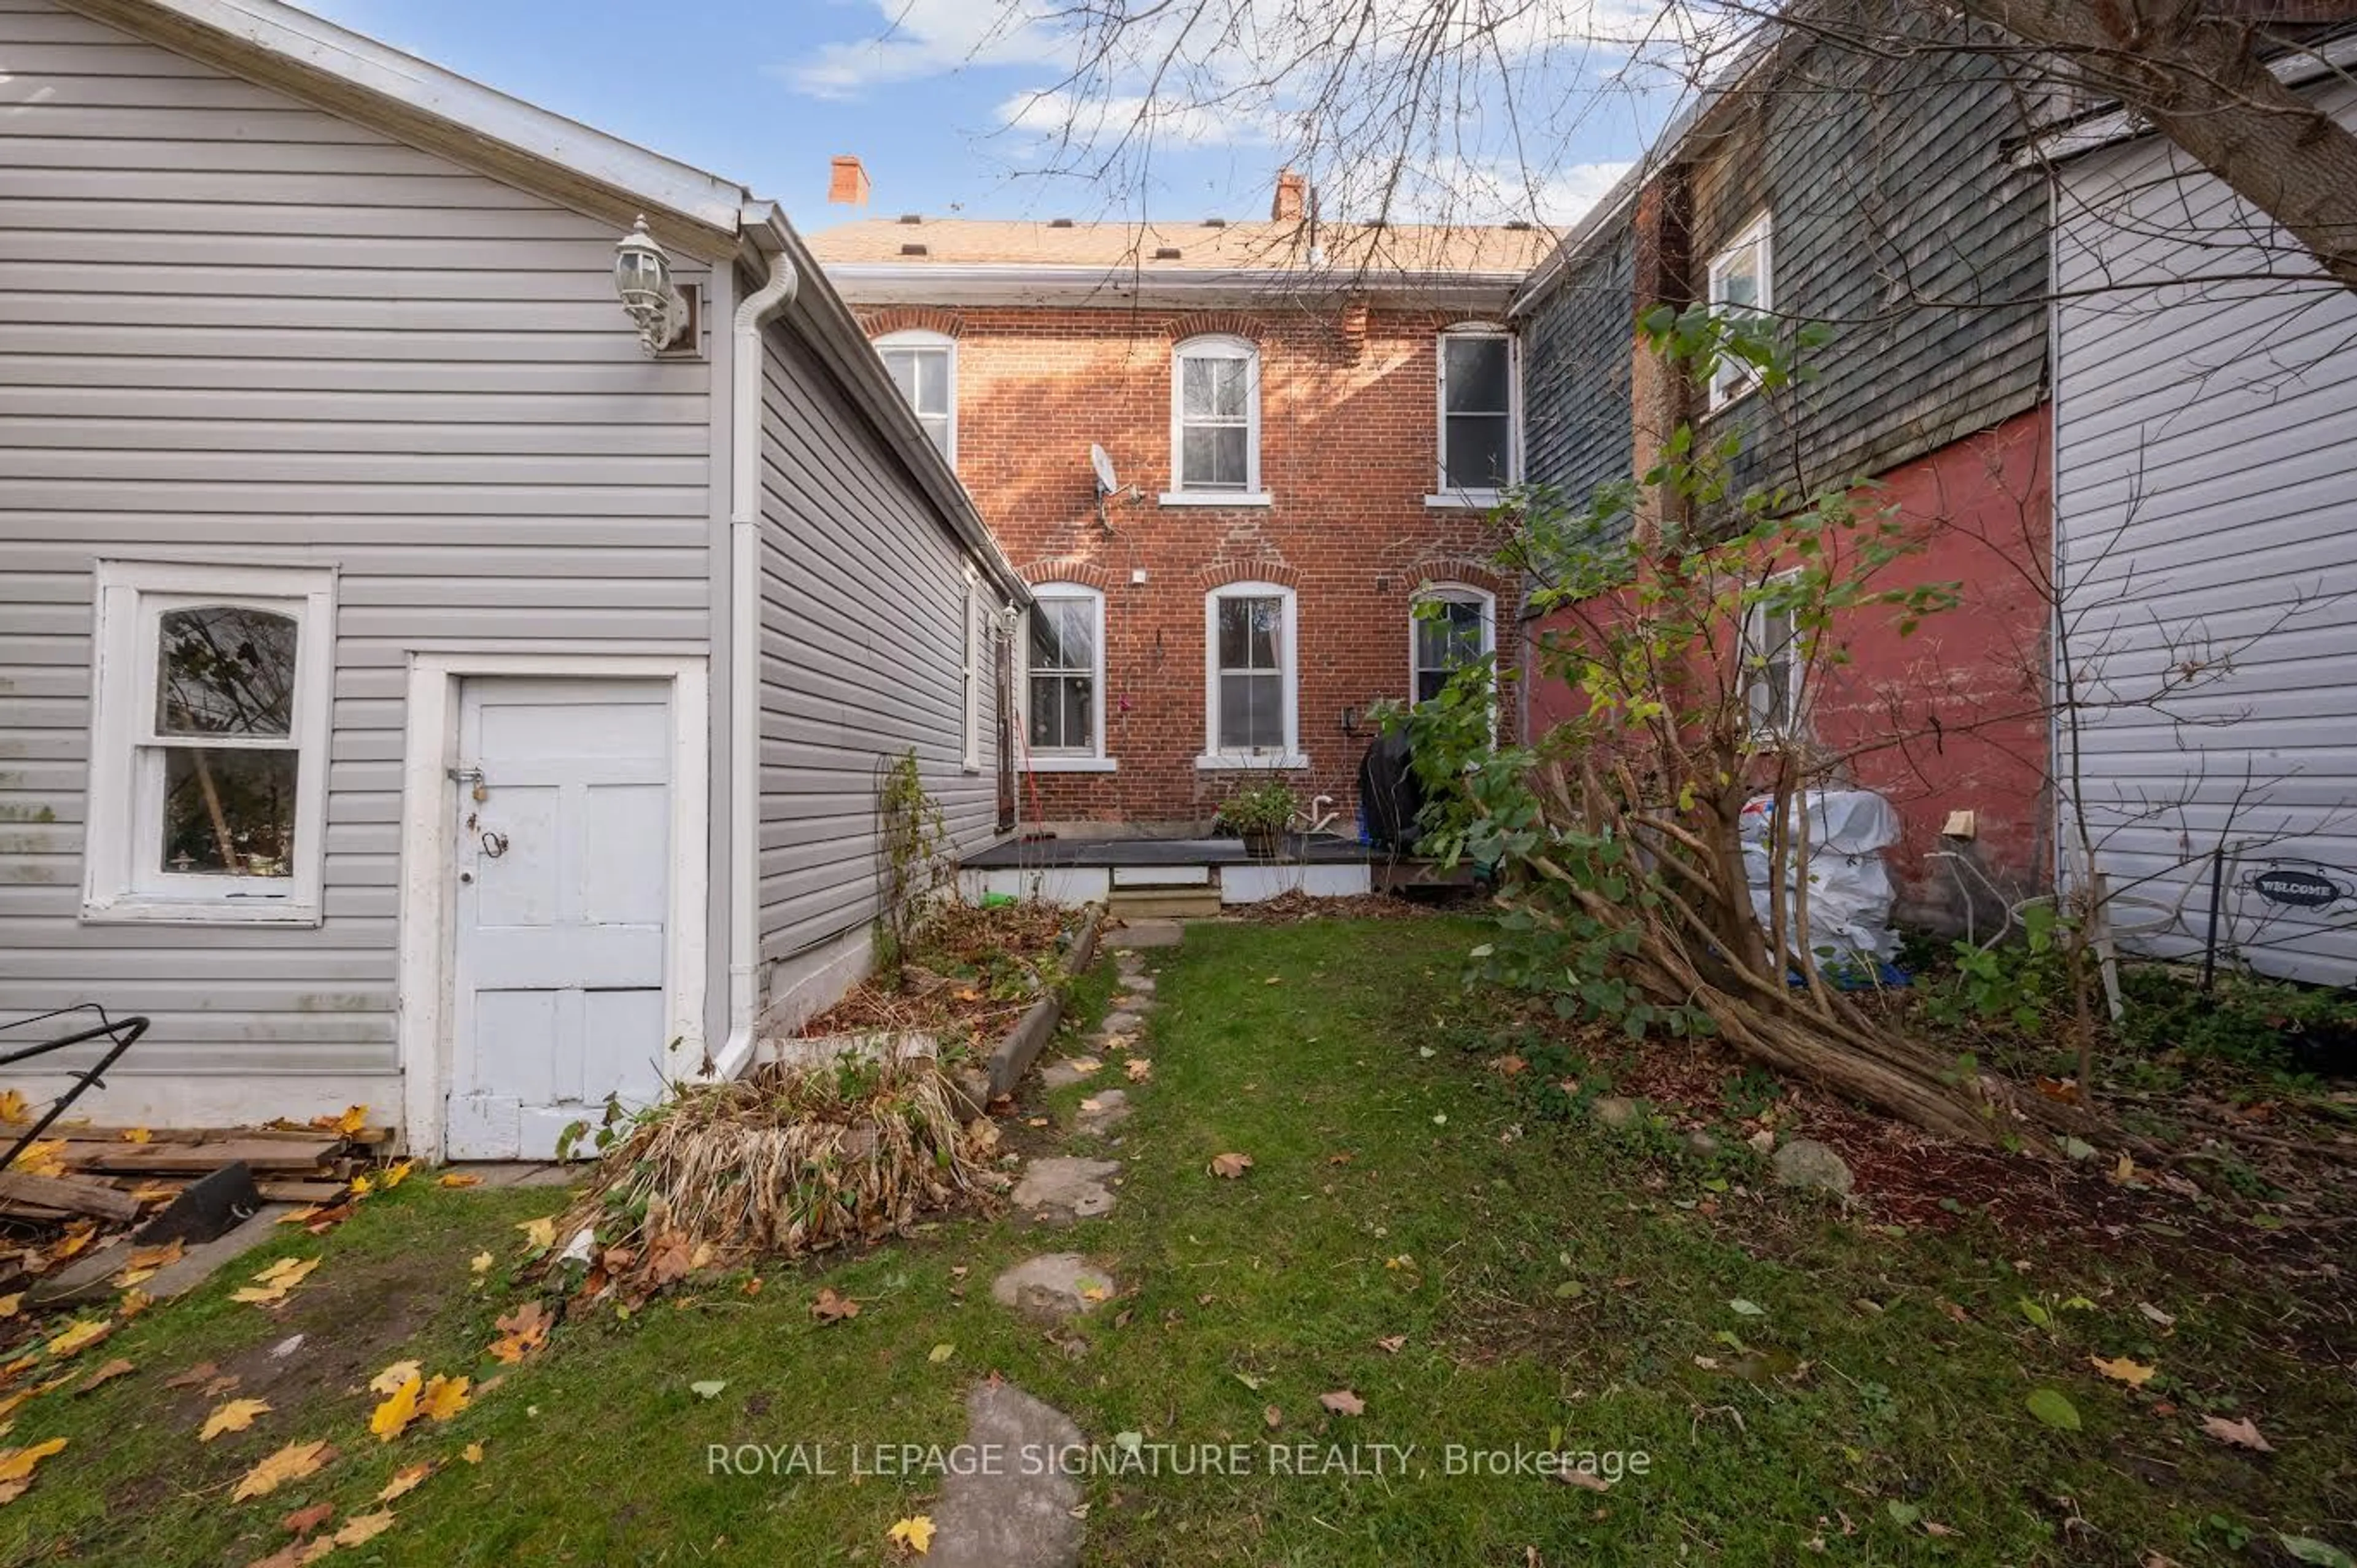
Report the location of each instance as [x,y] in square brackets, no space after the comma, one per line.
[122,1032]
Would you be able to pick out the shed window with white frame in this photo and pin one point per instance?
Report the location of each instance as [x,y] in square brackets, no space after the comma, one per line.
[1774,669]
[924,367]
[1252,687]
[1742,283]
[1065,678]
[1478,413]
[1215,422]
[208,762]
[1450,627]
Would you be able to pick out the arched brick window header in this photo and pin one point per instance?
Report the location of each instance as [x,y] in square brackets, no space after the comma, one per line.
[888,319]
[1088,574]
[1216,324]
[1219,574]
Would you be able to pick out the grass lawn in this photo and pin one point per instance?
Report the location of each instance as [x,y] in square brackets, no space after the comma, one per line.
[1799,1379]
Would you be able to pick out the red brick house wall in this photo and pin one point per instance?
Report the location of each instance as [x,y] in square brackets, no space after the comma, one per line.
[1348,440]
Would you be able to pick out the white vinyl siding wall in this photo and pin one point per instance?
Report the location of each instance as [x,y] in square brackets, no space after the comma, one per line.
[2206,485]
[236,329]
[863,648]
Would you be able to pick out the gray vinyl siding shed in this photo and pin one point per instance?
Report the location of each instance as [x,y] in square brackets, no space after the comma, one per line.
[2206,500]
[241,326]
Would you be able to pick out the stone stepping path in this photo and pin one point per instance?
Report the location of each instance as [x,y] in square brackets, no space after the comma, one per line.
[1058,1191]
[1003,1505]
[1103,1112]
[1053,1287]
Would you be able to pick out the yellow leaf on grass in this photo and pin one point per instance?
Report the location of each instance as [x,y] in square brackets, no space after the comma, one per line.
[1140,1069]
[133,1303]
[117,1367]
[362,1527]
[916,1534]
[480,1264]
[394,1416]
[291,1462]
[81,1336]
[271,1285]
[405,1481]
[2135,1374]
[522,1332]
[540,1233]
[362,1187]
[234,1416]
[443,1398]
[472,1454]
[396,1175]
[18,1464]
[461,1178]
[389,1381]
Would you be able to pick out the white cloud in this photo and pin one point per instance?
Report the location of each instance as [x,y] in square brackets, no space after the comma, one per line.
[919,38]
[1061,115]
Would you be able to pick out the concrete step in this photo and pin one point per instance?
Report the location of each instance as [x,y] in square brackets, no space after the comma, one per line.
[1164,903]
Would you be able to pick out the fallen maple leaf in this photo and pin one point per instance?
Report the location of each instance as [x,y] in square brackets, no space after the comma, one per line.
[10,1302]
[2135,1374]
[539,1234]
[1390,1344]
[1139,1069]
[389,1381]
[459,1178]
[271,1285]
[18,1464]
[832,1308]
[397,1173]
[79,1336]
[291,1462]
[916,1534]
[1229,1166]
[480,1264]
[1508,1066]
[1343,1401]
[135,1136]
[202,1372]
[133,1304]
[399,1408]
[107,1374]
[153,1258]
[472,1454]
[353,1118]
[302,1522]
[522,1332]
[13,1107]
[234,1416]
[444,1398]
[2243,1434]
[363,1528]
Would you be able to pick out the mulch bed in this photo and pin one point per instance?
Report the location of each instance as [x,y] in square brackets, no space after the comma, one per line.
[1294,906]
[973,973]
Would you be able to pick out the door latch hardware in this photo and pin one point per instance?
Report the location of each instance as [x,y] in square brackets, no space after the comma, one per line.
[495,844]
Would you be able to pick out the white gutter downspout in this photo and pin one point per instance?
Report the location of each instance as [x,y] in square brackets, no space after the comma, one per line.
[744,653]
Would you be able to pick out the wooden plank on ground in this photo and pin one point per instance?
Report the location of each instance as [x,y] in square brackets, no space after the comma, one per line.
[258,1154]
[66,1195]
[302,1191]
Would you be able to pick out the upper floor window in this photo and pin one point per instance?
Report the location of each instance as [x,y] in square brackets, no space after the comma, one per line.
[1450,627]
[1742,283]
[1064,695]
[1251,702]
[1215,422]
[924,367]
[1478,408]
[207,773]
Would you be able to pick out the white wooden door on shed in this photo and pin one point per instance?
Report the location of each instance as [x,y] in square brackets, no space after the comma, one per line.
[564,865]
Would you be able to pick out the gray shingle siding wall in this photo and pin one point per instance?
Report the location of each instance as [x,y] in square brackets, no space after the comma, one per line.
[863,592]
[1575,374]
[1887,183]
[235,328]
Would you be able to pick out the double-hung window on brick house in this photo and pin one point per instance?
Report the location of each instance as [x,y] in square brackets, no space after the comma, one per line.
[1215,423]
[1774,668]
[1064,679]
[924,367]
[1479,412]
[209,758]
[1251,696]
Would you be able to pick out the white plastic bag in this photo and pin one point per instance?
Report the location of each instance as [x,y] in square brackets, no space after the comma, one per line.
[1849,888]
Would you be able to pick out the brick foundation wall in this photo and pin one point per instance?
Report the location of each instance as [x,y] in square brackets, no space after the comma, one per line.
[1347,450]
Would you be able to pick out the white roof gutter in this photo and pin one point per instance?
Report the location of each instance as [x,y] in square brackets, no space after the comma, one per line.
[2107,127]
[960,283]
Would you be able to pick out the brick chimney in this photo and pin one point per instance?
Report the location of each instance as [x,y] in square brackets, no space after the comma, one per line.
[1291,198]
[846,184]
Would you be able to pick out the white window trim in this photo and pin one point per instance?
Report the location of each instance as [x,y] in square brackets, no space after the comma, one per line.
[1214,758]
[1796,681]
[1731,383]
[131,597]
[1075,759]
[918,337]
[970,671]
[1461,496]
[1216,345]
[1457,593]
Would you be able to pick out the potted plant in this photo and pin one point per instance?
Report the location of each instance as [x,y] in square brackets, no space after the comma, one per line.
[1260,814]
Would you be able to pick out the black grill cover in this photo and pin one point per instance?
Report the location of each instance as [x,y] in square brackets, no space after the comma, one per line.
[1390,795]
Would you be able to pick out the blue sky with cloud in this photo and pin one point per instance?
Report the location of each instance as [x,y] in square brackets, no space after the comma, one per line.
[944,100]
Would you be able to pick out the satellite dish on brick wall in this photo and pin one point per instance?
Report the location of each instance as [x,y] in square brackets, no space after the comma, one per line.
[1103,464]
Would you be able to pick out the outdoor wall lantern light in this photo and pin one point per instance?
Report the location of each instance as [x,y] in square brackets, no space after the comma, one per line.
[642,277]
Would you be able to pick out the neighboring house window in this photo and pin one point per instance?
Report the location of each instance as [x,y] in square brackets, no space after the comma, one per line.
[1251,688]
[1741,285]
[208,771]
[1065,676]
[924,367]
[1459,629]
[977,634]
[1215,421]
[1774,669]
[1477,407]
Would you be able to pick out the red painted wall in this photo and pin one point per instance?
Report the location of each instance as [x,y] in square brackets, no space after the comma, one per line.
[1950,718]
[1348,449]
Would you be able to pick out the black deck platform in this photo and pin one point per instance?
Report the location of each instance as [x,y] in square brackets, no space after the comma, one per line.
[1387,868]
